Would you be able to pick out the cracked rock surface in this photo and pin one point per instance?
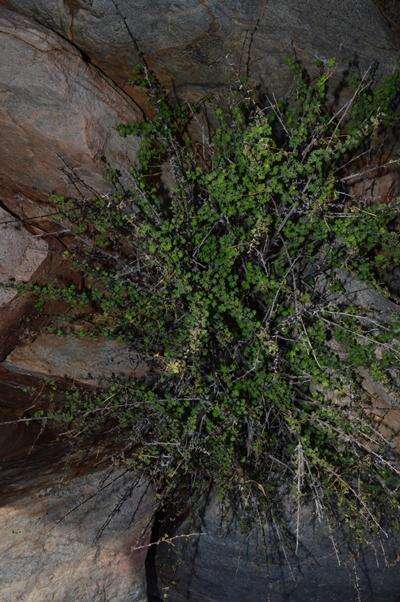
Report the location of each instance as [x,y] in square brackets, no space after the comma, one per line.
[202,44]
[57,115]
[51,548]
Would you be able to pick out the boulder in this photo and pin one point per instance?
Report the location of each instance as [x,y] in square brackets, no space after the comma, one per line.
[201,45]
[359,293]
[52,546]
[57,116]
[223,564]
[82,360]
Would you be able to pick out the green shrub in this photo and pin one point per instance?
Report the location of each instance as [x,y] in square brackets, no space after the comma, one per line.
[236,287]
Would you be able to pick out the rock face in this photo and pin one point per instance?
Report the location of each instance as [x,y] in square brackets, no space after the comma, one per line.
[81,360]
[22,258]
[49,548]
[223,565]
[202,45]
[57,116]
[21,255]
[30,457]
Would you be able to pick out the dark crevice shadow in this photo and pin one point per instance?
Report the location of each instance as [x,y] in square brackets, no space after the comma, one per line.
[153,588]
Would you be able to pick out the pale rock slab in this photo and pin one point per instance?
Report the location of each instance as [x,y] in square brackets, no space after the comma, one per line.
[49,548]
[82,360]
[21,255]
[22,258]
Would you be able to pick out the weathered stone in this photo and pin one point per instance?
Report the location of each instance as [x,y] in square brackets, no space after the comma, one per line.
[203,45]
[390,425]
[381,397]
[82,360]
[225,565]
[22,258]
[359,293]
[48,545]
[380,189]
[21,255]
[30,456]
[57,115]
[396,443]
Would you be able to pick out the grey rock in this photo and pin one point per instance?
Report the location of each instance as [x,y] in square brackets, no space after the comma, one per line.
[49,545]
[364,296]
[202,45]
[23,258]
[377,391]
[224,565]
[390,9]
[59,105]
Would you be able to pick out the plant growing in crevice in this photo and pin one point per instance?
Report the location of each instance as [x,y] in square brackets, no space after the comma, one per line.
[245,287]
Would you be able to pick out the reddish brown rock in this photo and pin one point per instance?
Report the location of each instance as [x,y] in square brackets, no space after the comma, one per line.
[82,360]
[57,115]
[30,456]
[382,188]
[390,425]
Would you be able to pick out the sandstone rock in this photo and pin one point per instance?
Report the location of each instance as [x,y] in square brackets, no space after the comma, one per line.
[22,258]
[390,425]
[48,551]
[21,255]
[57,115]
[396,443]
[225,565]
[380,189]
[202,45]
[382,398]
[32,456]
[82,360]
